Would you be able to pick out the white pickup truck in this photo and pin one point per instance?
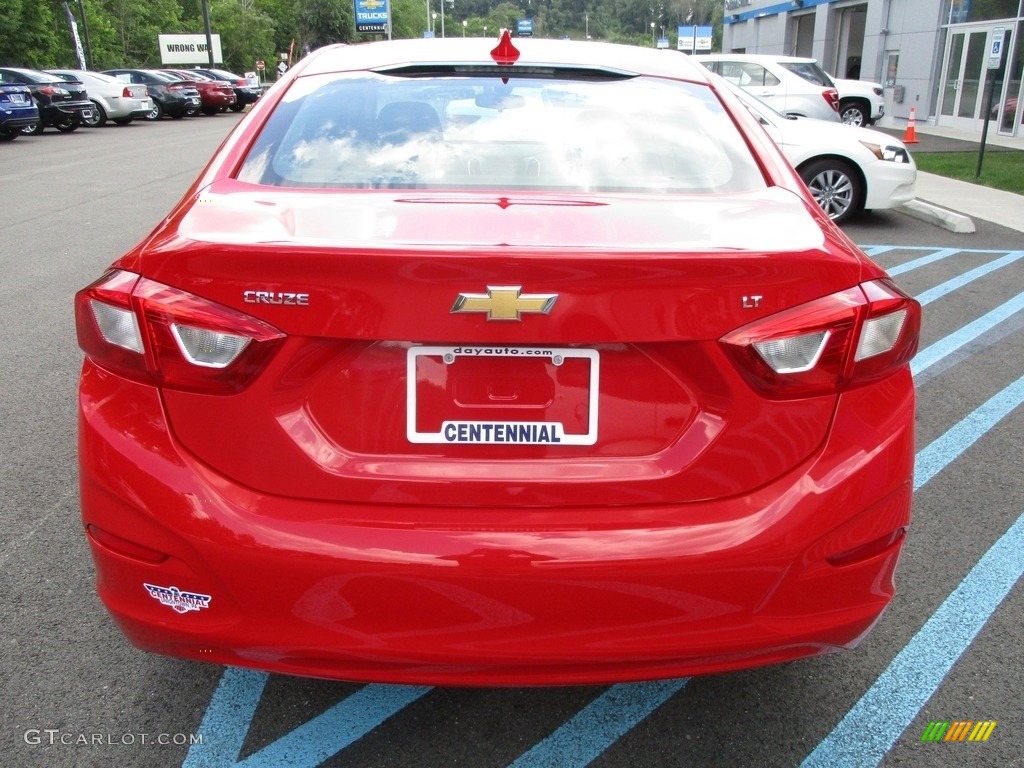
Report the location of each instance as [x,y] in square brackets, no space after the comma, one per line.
[860,101]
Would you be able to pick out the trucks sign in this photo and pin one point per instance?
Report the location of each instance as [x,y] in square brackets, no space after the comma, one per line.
[372,16]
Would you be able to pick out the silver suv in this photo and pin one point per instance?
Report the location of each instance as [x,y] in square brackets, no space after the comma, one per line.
[793,86]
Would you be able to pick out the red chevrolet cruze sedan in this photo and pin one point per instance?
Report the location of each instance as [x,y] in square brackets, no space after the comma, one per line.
[505,362]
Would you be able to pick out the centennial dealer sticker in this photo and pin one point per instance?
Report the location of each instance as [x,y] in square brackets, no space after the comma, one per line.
[182,602]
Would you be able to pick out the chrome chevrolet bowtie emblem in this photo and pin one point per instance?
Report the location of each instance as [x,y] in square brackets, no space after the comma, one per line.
[504,302]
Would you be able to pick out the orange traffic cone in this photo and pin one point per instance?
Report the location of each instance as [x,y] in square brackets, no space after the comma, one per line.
[910,135]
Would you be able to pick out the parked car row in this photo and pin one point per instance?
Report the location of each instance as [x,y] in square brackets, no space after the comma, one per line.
[821,125]
[61,104]
[800,87]
[246,92]
[32,100]
[112,99]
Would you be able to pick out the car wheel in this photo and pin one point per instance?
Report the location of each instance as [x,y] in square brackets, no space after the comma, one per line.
[156,112]
[853,113]
[8,135]
[32,130]
[99,117]
[210,110]
[123,120]
[67,126]
[237,107]
[836,187]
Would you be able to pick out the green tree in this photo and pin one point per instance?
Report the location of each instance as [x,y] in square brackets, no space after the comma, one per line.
[322,22]
[139,22]
[285,17]
[42,38]
[124,32]
[104,50]
[246,34]
[504,15]
[408,18]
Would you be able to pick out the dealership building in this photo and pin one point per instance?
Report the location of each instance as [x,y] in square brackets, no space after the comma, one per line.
[937,56]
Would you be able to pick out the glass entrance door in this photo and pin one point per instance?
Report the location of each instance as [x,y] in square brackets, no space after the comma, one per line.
[964,80]
[1010,112]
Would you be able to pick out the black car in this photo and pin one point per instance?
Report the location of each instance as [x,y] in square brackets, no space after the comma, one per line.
[18,110]
[61,104]
[171,96]
[245,92]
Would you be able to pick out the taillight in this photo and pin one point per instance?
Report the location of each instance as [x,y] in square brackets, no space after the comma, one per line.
[127,93]
[833,343]
[832,97]
[54,90]
[151,332]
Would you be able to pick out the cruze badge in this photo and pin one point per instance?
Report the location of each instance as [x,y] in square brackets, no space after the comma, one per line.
[505,302]
[276,297]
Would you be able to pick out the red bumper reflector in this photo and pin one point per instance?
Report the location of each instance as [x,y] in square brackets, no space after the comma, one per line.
[865,551]
[124,547]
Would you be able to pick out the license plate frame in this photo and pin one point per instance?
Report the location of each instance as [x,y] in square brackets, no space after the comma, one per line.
[495,432]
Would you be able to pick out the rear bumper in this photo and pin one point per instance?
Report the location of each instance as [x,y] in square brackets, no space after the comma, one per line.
[491,597]
[125,107]
[247,95]
[180,105]
[15,124]
[61,112]
[217,100]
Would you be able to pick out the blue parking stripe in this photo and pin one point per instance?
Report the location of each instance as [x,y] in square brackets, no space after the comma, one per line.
[959,282]
[869,730]
[872,726]
[950,344]
[600,724]
[877,250]
[923,261]
[234,703]
[227,719]
[937,254]
[945,449]
[347,721]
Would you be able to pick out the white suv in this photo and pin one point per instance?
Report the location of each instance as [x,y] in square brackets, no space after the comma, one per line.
[793,86]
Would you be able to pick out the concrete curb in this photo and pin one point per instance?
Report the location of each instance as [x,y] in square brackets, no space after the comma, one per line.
[940,217]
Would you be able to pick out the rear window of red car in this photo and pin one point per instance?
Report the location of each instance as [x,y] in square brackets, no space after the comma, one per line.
[630,134]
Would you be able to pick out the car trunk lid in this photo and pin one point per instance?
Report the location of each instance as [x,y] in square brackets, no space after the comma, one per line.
[532,351]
